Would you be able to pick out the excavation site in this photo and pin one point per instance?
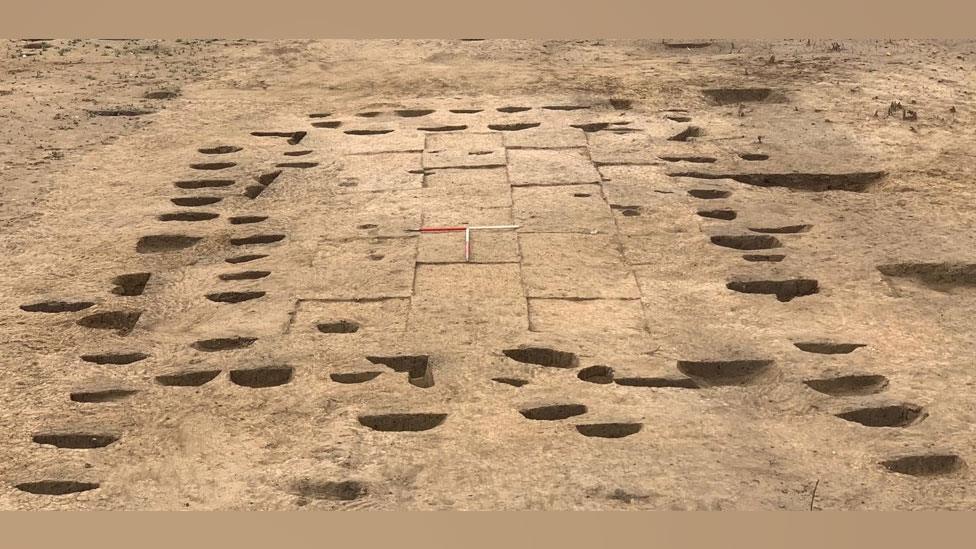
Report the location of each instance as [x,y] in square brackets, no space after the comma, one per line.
[486,274]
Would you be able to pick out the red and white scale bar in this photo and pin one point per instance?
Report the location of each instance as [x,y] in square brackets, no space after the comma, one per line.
[467,233]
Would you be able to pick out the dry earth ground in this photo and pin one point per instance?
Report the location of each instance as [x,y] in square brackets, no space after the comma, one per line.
[744,277]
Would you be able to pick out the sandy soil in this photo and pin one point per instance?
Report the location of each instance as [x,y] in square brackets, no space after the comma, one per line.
[744,275]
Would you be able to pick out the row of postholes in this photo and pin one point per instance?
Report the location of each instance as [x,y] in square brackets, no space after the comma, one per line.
[737,372]
[676,115]
[124,321]
[419,373]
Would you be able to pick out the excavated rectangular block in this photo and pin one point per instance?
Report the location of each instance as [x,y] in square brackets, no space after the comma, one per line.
[564,208]
[539,138]
[464,149]
[364,268]
[355,215]
[550,167]
[468,301]
[575,265]
[623,148]
[608,319]
[447,189]
[380,172]
[487,246]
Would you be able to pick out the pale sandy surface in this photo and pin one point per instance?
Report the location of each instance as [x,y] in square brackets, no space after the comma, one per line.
[868,207]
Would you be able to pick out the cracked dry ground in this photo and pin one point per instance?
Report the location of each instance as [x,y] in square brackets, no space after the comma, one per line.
[744,275]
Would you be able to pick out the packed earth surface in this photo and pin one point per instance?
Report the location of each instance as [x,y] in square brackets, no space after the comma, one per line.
[717,275]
